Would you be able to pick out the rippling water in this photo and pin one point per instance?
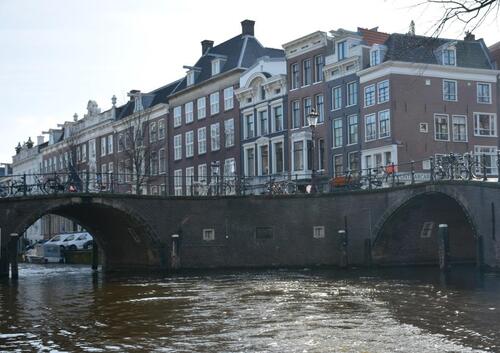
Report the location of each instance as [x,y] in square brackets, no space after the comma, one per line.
[68,309]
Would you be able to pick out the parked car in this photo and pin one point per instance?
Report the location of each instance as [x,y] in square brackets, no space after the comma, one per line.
[59,239]
[77,241]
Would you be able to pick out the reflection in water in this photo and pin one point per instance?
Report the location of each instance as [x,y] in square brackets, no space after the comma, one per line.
[64,308]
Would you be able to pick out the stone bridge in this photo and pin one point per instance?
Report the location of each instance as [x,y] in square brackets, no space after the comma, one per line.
[384,227]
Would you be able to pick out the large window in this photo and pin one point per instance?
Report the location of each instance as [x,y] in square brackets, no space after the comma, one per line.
[354,162]
[263,122]
[110,144]
[153,165]
[298,155]
[383,91]
[228,98]
[321,154]
[278,157]
[484,93]
[264,160]
[215,137]
[189,141]
[250,162]
[352,129]
[384,124]
[188,112]
[370,127]
[338,167]
[103,146]
[320,108]
[449,56]
[441,127]
[369,95]
[341,51]
[162,160]
[229,133]
[352,93]
[202,173]
[161,129]
[337,133]
[202,140]
[214,103]
[488,155]
[295,75]
[307,109]
[189,180]
[306,72]
[178,182]
[201,105]
[153,132]
[336,98]
[485,124]
[249,126]
[177,147]
[459,128]
[177,116]
[450,90]
[318,68]
[277,118]
[295,114]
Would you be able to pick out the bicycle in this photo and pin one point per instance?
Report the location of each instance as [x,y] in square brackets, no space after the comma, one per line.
[347,181]
[280,187]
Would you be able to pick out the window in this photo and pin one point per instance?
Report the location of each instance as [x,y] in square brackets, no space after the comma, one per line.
[178,182]
[277,118]
[103,146]
[370,127]
[374,57]
[78,154]
[162,161]
[354,160]
[110,144]
[177,147]
[201,106]
[307,109]
[215,66]
[489,159]
[352,94]
[263,122]
[318,68]
[459,128]
[120,143]
[485,124]
[450,90]
[161,129]
[177,116]
[189,141]
[484,93]
[321,154]
[352,136]
[441,128]
[202,140]
[214,103]
[188,112]
[306,72]
[215,137]
[384,124]
[250,162]
[278,157]
[202,173]
[153,163]
[320,108]
[84,152]
[338,168]
[298,155]
[229,133]
[383,91]
[249,126]
[208,234]
[449,56]
[369,95]
[337,133]
[228,98]
[295,114]
[341,52]
[189,180]
[190,78]
[336,98]
[295,75]
[264,160]
[153,132]
[318,232]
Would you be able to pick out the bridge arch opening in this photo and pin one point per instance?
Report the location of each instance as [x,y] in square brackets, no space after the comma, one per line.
[125,241]
[409,236]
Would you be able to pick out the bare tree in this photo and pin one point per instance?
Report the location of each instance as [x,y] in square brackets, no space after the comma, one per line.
[469,13]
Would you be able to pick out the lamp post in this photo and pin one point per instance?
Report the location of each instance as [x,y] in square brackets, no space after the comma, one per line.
[312,119]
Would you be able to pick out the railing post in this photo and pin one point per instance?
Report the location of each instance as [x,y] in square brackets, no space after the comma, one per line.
[111,183]
[369,178]
[469,167]
[432,168]
[452,166]
[25,188]
[412,172]
[483,158]
[393,174]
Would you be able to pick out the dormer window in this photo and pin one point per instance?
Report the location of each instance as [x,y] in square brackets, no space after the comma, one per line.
[190,78]
[449,56]
[377,54]
[341,51]
[216,66]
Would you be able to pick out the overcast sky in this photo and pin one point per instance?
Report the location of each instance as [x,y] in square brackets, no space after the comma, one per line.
[55,55]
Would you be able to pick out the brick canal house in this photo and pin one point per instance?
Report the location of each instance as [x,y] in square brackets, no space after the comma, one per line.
[204,128]
[262,98]
[426,97]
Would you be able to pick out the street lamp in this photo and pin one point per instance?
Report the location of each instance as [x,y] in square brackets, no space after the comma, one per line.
[312,119]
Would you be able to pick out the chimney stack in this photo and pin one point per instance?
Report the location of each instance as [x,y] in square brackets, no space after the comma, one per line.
[469,36]
[247,27]
[39,140]
[206,45]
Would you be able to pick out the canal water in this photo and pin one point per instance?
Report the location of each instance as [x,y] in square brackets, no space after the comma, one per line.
[68,309]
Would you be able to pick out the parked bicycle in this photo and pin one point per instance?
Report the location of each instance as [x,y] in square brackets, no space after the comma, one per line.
[274,187]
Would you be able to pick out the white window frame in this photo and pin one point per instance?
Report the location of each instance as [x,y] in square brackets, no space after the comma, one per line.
[245,166]
[246,118]
[273,117]
[372,86]
[274,155]
[367,139]
[208,234]
[349,88]
[110,144]
[335,137]
[161,129]
[443,56]
[216,64]
[189,143]
[177,116]
[177,147]
[259,127]
[477,92]
[229,135]
[201,108]
[178,182]
[228,98]
[215,137]
[190,78]
[453,118]
[334,98]
[385,98]
[456,91]
[189,179]
[188,112]
[214,103]
[436,116]
[162,162]
[379,127]
[202,140]
[103,146]
[493,121]
[202,173]
[349,142]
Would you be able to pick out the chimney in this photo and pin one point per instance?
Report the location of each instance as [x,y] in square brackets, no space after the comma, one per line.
[133,93]
[247,27]
[39,140]
[206,45]
[469,36]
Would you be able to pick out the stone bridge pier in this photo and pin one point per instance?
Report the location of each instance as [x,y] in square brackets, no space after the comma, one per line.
[382,227]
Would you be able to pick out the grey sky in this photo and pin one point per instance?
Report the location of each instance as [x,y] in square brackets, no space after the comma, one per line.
[55,55]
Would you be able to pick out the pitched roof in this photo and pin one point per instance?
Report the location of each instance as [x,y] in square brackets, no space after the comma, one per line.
[240,51]
[372,36]
[412,48]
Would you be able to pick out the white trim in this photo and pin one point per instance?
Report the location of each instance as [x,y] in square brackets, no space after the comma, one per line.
[477,92]
[466,128]
[434,127]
